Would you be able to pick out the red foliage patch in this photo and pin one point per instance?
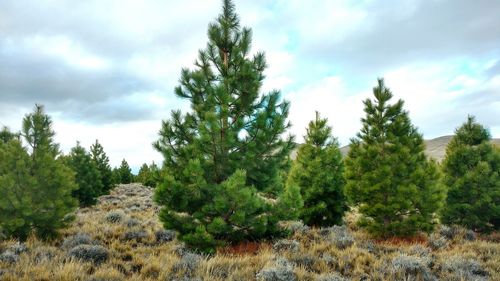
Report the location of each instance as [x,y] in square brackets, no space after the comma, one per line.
[243,248]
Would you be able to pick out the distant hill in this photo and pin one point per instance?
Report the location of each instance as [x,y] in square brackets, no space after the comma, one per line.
[435,148]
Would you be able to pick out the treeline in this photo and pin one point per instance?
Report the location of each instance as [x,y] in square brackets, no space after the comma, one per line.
[228,176]
[40,187]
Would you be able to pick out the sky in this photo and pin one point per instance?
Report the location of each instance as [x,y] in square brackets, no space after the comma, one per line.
[106,69]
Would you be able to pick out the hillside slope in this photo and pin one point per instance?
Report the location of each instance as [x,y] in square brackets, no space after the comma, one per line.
[434,148]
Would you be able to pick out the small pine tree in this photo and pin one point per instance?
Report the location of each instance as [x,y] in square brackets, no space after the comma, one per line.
[86,175]
[115,176]
[125,173]
[319,171]
[148,175]
[388,175]
[101,161]
[37,186]
[472,175]
[144,174]
[224,160]
[17,206]
[6,135]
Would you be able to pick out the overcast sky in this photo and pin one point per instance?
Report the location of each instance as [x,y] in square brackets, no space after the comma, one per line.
[106,69]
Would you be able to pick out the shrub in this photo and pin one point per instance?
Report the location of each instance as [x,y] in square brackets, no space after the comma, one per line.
[188,264]
[416,268]
[164,235]
[89,253]
[338,235]
[332,277]
[465,269]
[115,217]
[136,235]
[277,274]
[9,257]
[286,245]
[44,254]
[132,222]
[18,248]
[78,239]
[437,242]
[448,232]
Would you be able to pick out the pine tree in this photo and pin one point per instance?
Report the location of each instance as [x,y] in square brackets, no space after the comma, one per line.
[472,175]
[125,173]
[17,206]
[87,175]
[101,161]
[148,175]
[388,176]
[223,161]
[115,176]
[6,135]
[36,188]
[319,171]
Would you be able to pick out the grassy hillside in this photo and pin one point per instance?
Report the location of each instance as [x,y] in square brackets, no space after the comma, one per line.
[434,148]
[121,239]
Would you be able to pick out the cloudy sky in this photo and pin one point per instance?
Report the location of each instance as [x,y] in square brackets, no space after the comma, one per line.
[106,69]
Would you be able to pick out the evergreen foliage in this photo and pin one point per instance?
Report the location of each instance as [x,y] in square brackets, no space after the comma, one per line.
[115,176]
[101,161]
[471,168]
[149,175]
[319,171]
[224,160]
[36,186]
[6,135]
[87,176]
[388,176]
[125,173]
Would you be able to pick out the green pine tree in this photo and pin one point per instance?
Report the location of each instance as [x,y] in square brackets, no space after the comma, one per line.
[224,160]
[472,175]
[115,176]
[125,173]
[6,135]
[17,206]
[36,188]
[388,176]
[144,174]
[319,171]
[101,161]
[149,175]
[87,175]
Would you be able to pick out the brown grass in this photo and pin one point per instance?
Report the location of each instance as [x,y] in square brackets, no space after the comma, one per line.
[147,260]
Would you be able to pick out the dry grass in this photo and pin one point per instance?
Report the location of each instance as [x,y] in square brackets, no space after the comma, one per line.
[134,254]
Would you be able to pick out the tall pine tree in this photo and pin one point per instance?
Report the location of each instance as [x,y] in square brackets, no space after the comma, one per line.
[472,175]
[225,156]
[87,175]
[101,161]
[319,171]
[388,175]
[35,185]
